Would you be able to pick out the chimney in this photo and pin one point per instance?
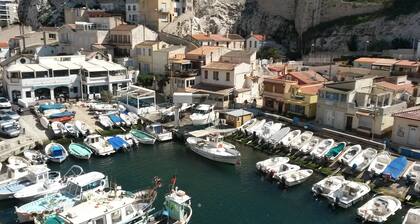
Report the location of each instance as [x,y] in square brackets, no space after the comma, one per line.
[208,33]
[227,34]
[252,33]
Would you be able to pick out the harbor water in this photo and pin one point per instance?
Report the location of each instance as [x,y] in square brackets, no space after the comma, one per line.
[220,193]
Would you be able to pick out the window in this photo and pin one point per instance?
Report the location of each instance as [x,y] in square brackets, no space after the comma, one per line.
[255,44]
[100,221]
[52,36]
[134,8]
[215,75]
[116,216]
[28,94]
[206,74]
[250,44]
[227,76]
[400,131]
[128,7]
[150,52]
[75,89]
[296,109]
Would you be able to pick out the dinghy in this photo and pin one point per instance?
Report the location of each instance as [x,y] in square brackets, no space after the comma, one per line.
[214,148]
[301,140]
[412,216]
[309,146]
[379,209]
[335,151]
[80,151]
[363,159]
[322,148]
[379,163]
[285,142]
[283,169]
[82,127]
[349,194]
[55,152]
[34,157]
[395,169]
[105,121]
[296,177]
[143,137]
[117,143]
[350,153]
[159,132]
[126,119]
[99,145]
[58,128]
[328,185]
[278,136]
[71,129]
[267,164]
[413,173]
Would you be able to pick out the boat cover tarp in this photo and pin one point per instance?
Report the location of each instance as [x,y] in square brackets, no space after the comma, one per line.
[396,168]
[62,114]
[117,142]
[115,118]
[56,151]
[56,106]
[335,150]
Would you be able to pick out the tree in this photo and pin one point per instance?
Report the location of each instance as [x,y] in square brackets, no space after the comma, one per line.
[145,80]
[268,52]
[106,96]
[353,43]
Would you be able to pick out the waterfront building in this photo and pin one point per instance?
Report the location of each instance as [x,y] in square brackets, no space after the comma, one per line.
[236,118]
[161,58]
[144,54]
[230,41]
[406,131]
[274,92]
[205,55]
[388,67]
[8,12]
[255,41]
[301,100]
[138,100]
[241,56]
[182,75]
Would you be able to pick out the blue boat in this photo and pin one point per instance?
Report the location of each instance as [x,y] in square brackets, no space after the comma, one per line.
[117,143]
[396,168]
[62,114]
[116,119]
[56,106]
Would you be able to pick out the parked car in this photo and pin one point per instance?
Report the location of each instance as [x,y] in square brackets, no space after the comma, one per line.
[10,128]
[12,114]
[4,103]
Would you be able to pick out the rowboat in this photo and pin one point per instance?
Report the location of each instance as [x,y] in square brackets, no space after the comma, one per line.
[301,140]
[126,119]
[296,177]
[56,152]
[80,151]
[396,168]
[82,127]
[116,120]
[143,137]
[335,151]
[363,159]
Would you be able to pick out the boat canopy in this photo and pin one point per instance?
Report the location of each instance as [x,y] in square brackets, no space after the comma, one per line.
[396,167]
[117,142]
[56,106]
[56,151]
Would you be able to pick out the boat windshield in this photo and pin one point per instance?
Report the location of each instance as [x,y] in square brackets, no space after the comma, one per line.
[72,190]
[200,111]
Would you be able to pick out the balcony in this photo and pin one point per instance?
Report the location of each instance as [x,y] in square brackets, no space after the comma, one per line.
[186,73]
[45,82]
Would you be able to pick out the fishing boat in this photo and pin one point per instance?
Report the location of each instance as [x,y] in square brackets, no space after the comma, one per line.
[412,216]
[214,148]
[159,132]
[349,194]
[282,170]
[203,114]
[55,152]
[413,173]
[267,132]
[322,147]
[105,121]
[126,119]
[278,136]
[335,151]
[267,164]
[134,117]
[52,184]
[82,128]
[379,209]
[289,138]
[36,174]
[310,145]
[395,169]
[296,177]
[99,145]
[350,153]
[363,159]
[143,137]
[301,140]
[328,185]
[34,157]
[80,151]
[71,129]
[78,189]
[117,143]
[379,163]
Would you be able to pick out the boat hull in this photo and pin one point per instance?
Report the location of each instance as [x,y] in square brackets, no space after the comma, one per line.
[222,159]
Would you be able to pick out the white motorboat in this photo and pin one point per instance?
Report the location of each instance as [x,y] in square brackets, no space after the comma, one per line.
[134,117]
[17,160]
[413,173]
[13,172]
[105,121]
[267,132]
[283,169]
[203,114]
[126,119]
[379,163]
[412,216]
[265,129]
[248,124]
[363,159]
[350,153]
[129,138]
[99,145]
[103,107]
[214,148]
[45,123]
[309,146]
[379,209]
[278,136]
[159,132]
[349,194]
[82,127]
[71,129]
[296,177]
[328,185]
[58,128]
[270,163]
[323,147]
[256,127]
[34,157]
[300,141]
[289,138]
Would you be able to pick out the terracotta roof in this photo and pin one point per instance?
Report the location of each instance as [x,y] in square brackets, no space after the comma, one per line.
[412,113]
[310,89]
[124,27]
[259,37]
[210,37]
[407,63]
[235,37]
[4,45]
[308,77]
[408,87]
[366,60]
[385,61]
[220,66]
[204,50]
[98,14]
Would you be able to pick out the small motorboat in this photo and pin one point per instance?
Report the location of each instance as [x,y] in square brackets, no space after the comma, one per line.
[116,120]
[350,153]
[80,151]
[203,114]
[267,132]
[56,152]
[283,169]
[71,129]
[143,137]
[34,157]
[289,138]
[214,148]
[278,136]
[99,145]
[363,159]
[82,127]
[413,173]
[159,132]
[323,147]
[267,164]
[301,140]
[61,114]
[296,177]
[103,107]
[257,126]
[50,106]
[395,169]
[126,119]
[105,121]
[134,117]
[47,113]
[45,123]
[412,216]
[328,185]
[379,209]
[379,163]
[17,161]
[309,146]
[265,129]
[117,143]
[335,151]
[129,139]
[58,128]
[248,124]
[349,194]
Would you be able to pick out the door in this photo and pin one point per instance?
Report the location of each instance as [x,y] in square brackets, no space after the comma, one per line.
[412,134]
[328,118]
[349,123]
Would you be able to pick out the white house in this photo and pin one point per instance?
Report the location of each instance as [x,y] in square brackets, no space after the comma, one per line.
[161,57]
[255,41]
[8,12]
[406,129]
[132,11]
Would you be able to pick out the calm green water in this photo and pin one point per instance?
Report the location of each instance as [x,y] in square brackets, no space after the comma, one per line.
[220,193]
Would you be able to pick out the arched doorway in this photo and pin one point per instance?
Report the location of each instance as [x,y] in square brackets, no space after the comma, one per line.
[61,92]
[43,93]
